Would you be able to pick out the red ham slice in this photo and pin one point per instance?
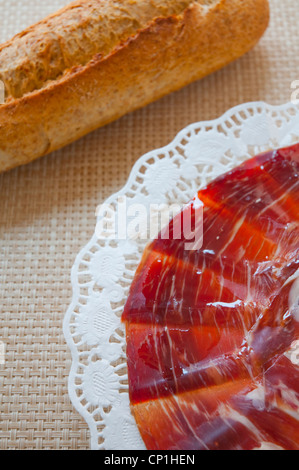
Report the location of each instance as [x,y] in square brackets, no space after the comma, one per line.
[208,329]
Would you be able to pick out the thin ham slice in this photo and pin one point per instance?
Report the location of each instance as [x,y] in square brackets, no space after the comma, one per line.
[208,330]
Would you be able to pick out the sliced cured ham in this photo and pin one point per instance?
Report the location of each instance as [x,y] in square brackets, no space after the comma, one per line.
[209,331]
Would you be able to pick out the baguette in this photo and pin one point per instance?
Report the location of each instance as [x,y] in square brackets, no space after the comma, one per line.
[96,60]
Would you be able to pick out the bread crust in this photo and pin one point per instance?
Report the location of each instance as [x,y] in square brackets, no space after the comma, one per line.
[164,56]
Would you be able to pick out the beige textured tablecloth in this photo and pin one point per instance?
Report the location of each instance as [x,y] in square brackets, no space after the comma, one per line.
[47,213]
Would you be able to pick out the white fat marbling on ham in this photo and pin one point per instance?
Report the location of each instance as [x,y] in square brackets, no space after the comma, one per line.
[290,396]
[294,296]
[227,412]
[257,396]
[268,446]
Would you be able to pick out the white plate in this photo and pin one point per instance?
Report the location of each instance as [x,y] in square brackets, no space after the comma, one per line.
[104,269]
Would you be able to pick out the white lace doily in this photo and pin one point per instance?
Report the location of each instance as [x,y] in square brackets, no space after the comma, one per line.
[104,269]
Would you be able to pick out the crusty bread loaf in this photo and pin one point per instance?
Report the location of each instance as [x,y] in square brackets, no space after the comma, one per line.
[96,60]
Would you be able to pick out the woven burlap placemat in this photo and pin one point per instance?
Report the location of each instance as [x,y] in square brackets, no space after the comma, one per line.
[47,213]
